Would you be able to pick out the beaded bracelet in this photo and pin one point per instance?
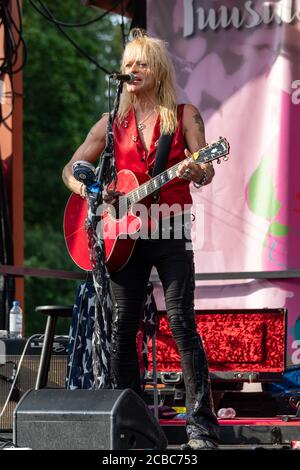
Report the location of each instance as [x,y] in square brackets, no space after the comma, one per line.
[203,180]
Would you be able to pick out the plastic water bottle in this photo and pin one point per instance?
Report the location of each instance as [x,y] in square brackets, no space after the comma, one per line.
[15,320]
[226,413]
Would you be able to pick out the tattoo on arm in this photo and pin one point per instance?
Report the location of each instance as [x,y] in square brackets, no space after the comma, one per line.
[199,121]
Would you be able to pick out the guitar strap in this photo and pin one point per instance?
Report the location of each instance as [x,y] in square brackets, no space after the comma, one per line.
[162,153]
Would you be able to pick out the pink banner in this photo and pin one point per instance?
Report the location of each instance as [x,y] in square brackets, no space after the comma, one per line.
[238,62]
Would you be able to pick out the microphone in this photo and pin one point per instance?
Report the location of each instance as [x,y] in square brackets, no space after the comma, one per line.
[84,172]
[123,77]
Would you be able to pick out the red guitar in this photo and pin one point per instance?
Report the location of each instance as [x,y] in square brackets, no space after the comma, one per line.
[120,230]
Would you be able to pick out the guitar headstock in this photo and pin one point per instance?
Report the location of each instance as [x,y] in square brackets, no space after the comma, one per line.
[213,151]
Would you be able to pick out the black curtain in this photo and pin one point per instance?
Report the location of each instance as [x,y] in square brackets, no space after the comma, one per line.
[138,8]
[7,285]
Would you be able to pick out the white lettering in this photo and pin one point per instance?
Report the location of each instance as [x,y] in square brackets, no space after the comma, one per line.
[188,25]
[284,10]
[225,21]
[270,14]
[296,354]
[198,232]
[256,18]
[211,20]
[296,93]
[280,12]
[214,21]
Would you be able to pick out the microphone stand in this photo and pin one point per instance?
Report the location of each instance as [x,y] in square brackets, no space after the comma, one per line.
[99,271]
[105,173]
[101,171]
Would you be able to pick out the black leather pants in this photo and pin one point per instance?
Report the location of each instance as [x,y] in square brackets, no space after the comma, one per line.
[175,267]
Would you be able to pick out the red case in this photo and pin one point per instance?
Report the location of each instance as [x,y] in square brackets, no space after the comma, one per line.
[241,345]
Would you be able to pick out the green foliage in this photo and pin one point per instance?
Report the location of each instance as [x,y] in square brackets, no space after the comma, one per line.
[64,95]
[46,248]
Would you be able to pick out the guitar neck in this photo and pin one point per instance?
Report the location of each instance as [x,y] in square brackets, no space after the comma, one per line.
[207,154]
[153,185]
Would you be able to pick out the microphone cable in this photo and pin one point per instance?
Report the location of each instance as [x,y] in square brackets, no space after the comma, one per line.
[13,39]
[73,25]
[47,13]
[39,336]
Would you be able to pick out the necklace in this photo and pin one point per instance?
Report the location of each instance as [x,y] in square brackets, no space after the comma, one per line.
[141,125]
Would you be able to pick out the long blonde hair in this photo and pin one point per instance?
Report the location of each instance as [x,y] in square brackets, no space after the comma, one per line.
[154,52]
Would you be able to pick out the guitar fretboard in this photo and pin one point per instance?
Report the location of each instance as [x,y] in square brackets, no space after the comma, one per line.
[205,155]
[153,185]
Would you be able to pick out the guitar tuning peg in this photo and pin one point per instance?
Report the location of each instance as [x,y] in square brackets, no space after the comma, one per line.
[218,161]
[220,137]
[226,159]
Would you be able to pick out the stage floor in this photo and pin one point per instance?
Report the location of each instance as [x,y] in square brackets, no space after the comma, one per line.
[243,432]
[238,433]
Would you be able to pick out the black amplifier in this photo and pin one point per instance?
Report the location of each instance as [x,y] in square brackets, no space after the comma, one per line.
[11,351]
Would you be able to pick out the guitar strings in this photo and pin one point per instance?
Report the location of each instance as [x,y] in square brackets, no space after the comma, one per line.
[129,198]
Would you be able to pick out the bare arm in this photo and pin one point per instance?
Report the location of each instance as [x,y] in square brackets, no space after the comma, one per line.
[89,150]
[194,133]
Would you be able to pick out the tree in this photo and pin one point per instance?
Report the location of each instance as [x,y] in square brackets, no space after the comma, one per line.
[64,94]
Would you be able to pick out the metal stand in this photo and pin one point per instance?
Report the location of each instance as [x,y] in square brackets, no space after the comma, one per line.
[155,391]
[101,170]
[53,312]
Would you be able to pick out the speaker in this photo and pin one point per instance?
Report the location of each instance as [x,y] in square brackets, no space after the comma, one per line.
[49,419]
[10,354]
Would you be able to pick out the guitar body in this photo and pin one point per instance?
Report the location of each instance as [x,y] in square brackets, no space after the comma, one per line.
[119,233]
[121,229]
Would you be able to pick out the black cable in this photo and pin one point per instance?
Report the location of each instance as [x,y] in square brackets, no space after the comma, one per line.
[19,29]
[4,378]
[6,442]
[8,362]
[13,39]
[20,41]
[17,372]
[122,25]
[73,25]
[11,46]
[109,96]
[75,44]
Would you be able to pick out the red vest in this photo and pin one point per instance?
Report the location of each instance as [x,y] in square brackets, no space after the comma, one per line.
[131,155]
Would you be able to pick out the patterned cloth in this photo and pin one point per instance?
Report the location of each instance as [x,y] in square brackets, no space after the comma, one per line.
[101,338]
[80,367]
[94,305]
[103,304]
[80,355]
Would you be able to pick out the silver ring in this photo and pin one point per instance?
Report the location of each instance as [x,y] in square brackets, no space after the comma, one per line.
[187,173]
